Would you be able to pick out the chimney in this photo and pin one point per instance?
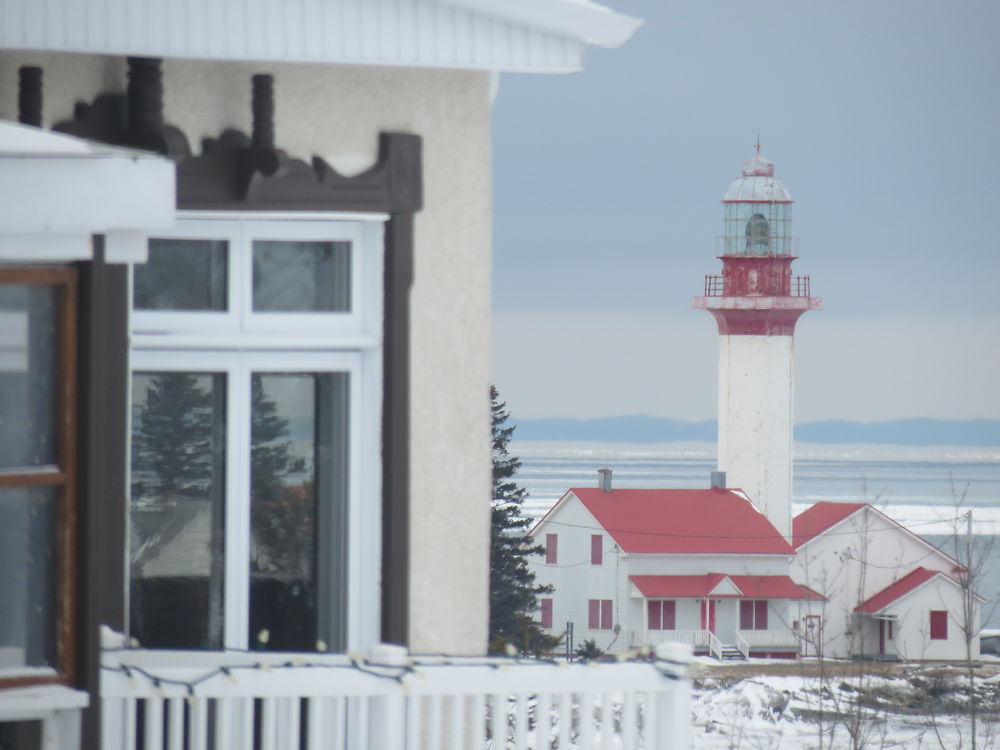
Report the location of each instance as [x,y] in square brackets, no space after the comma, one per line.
[718,480]
[604,479]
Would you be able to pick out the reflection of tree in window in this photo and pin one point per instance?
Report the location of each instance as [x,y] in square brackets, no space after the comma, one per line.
[282,514]
[177,509]
[171,447]
[757,234]
[283,596]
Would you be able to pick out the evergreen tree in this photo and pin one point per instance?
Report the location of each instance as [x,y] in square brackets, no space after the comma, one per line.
[171,446]
[513,593]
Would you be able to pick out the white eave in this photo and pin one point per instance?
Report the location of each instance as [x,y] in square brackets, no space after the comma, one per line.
[58,191]
[534,36]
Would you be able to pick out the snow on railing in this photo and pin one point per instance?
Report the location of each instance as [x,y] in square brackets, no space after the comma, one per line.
[161,700]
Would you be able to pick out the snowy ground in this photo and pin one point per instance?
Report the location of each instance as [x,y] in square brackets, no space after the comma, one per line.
[841,705]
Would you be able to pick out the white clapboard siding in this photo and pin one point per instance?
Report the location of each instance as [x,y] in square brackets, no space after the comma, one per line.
[422,33]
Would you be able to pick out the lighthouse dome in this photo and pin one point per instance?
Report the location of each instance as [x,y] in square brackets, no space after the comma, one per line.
[757,184]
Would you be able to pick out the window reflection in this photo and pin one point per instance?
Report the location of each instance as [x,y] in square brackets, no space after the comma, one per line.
[28,371]
[178,439]
[301,276]
[27,577]
[297,498]
[182,275]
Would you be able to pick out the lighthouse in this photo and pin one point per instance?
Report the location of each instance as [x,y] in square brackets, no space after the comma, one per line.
[756,302]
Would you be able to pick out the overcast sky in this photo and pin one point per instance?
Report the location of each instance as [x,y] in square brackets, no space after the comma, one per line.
[883,120]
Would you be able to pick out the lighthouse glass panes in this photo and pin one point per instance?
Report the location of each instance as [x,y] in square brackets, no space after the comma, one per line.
[757,229]
[255,436]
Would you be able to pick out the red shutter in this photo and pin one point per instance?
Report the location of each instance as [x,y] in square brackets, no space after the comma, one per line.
[594,614]
[655,616]
[670,615]
[596,549]
[939,624]
[551,548]
[546,613]
[746,615]
[760,615]
[606,623]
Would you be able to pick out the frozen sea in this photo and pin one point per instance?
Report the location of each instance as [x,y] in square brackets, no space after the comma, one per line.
[918,486]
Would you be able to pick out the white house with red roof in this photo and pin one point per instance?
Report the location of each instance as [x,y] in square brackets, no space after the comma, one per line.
[634,567]
[887,592]
[729,571]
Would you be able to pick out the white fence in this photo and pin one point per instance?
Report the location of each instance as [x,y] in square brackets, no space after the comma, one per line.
[697,639]
[160,700]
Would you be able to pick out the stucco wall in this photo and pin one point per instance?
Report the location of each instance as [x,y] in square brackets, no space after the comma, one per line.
[337,112]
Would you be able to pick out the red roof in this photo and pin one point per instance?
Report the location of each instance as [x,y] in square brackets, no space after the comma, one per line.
[767,587]
[677,586]
[713,521]
[820,517]
[811,594]
[897,590]
[751,587]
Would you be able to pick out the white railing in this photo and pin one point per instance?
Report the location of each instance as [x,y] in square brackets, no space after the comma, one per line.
[769,638]
[714,646]
[742,645]
[161,700]
[696,639]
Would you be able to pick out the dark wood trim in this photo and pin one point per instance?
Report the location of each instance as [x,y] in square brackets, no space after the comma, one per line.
[235,172]
[66,405]
[396,430]
[63,280]
[29,95]
[34,479]
[102,455]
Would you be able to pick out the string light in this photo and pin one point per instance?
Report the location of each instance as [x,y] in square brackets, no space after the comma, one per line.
[673,669]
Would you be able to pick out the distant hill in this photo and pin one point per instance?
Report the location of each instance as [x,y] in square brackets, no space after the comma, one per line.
[646,429]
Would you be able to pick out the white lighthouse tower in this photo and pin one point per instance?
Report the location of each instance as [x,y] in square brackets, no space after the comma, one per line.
[756,303]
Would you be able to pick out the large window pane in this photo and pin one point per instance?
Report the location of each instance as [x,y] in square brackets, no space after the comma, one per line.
[178,460]
[301,276]
[28,372]
[298,511]
[182,275]
[27,578]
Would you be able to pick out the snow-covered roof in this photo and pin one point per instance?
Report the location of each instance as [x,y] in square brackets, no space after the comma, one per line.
[712,521]
[59,190]
[757,184]
[536,36]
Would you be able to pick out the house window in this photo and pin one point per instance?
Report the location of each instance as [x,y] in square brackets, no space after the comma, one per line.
[662,614]
[37,474]
[599,614]
[596,549]
[551,549]
[546,613]
[753,614]
[939,624]
[256,392]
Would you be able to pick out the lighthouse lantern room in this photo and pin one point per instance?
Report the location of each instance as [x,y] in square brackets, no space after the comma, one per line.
[756,302]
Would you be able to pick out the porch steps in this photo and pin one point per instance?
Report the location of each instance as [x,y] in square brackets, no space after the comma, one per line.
[730,653]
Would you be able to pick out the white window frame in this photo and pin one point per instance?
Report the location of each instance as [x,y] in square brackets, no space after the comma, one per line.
[240,342]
